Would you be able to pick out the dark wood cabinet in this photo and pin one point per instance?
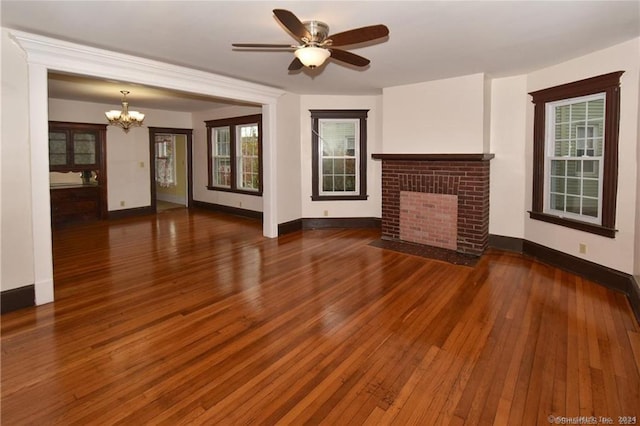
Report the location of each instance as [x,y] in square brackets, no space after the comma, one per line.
[75,146]
[78,148]
[75,203]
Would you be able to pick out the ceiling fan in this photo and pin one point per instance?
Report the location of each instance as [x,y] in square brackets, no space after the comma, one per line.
[316,43]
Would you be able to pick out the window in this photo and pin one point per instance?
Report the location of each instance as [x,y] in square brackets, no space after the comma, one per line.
[339,157]
[165,160]
[576,154]
[235,154]
[248,158]
[221,156]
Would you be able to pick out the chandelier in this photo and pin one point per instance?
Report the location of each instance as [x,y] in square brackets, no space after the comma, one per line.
[124,118]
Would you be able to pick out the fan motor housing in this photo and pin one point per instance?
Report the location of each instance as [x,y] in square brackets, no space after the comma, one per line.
[319,30]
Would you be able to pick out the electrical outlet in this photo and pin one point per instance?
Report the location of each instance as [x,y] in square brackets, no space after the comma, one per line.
[121,203]
[326,212]
[582,248]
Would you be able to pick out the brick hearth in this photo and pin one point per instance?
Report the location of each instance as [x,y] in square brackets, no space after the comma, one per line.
[463,175]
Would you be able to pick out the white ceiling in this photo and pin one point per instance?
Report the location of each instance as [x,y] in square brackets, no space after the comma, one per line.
[428,40]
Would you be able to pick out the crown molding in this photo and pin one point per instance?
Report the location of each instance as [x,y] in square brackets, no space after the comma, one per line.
[75,58]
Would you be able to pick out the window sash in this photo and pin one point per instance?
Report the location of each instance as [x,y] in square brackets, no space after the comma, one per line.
[221,156]
[248,157]
[574,164]
[338,159]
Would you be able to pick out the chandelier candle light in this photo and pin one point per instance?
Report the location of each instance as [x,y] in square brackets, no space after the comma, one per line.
[124,118]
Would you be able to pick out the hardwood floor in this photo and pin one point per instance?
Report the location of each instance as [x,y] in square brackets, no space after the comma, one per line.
[194,317]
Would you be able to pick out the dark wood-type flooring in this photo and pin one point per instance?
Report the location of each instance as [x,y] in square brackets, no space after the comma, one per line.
[195,318]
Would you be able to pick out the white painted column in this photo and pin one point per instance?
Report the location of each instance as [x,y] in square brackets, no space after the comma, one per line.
[40,196]
[269,171]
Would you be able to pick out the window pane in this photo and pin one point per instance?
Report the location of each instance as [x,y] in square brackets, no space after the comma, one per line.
[573,168]
[596,109]
[590,188]
[57,148]
[562,131]
[573,204]
[327,183]
[338,182]
[590,207]
[350,166]
[338,166]
[573,186]
[558,167]
[350,183]
[327,166]
[557,202]
[578,112]
[222,171]
[84,148]
[562,114]
[557,185]
[598,145]
[591,168]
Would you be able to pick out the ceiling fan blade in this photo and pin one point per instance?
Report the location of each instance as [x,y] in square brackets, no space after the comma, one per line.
[295,65]
[292,23]
[359,35]
[350,58]
[266,46]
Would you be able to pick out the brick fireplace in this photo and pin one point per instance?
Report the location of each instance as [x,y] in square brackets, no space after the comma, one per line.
[424,190]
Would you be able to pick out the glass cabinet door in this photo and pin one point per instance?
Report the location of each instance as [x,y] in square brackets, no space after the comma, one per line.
[84,148]
[58,148]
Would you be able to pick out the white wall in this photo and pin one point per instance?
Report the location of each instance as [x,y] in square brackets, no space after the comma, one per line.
[200,159]
[372,207]
[16,249]
[637,232]
[289,152]
[443,116]
[127,153]
[508,134]
[619,252]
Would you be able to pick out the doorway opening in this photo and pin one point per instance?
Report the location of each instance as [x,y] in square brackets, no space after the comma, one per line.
[170,158]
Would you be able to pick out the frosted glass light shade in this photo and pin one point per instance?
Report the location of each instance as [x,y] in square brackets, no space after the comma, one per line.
[113,114]
[124,118]
[312,56]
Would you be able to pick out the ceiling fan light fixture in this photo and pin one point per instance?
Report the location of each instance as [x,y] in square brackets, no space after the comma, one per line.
[124,118]
[312,56]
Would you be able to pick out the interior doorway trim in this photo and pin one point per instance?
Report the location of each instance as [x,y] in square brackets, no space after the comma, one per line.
[153,131]
[44,54]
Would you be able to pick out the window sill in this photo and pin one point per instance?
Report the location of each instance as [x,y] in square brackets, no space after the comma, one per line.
[574,224]
[338,197]
[235,191]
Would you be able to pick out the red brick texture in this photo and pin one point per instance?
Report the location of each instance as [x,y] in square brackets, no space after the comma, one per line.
[469,180]
[429,219]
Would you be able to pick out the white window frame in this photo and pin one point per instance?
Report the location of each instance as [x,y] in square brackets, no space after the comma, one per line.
[550,156]
[215,154]
[240,157]
[355,157]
